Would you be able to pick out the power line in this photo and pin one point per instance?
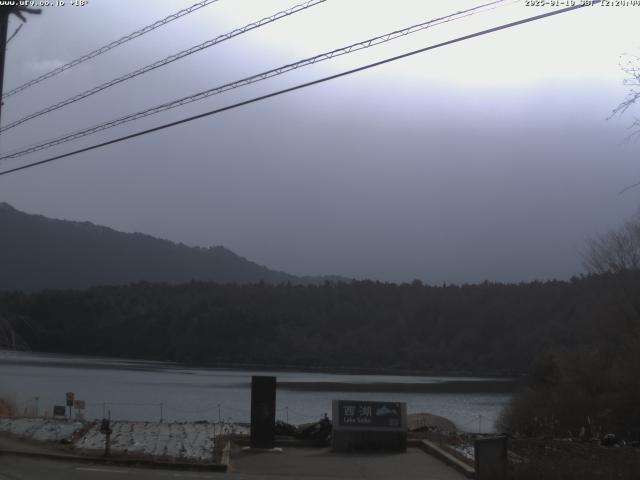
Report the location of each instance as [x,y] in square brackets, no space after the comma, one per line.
[15,32]
[249,80]
[167,60]
[304,85]
[110,46]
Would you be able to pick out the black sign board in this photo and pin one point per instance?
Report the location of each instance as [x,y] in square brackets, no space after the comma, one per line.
[59,411]
[366,425]
[263,412]
[491,458]
[369,414]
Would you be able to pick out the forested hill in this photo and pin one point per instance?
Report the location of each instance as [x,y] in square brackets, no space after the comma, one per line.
[37,252]
[476,329]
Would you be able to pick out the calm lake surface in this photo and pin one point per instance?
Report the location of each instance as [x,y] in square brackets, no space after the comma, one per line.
[141,390]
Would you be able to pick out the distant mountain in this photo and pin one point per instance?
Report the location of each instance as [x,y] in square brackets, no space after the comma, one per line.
[37,252]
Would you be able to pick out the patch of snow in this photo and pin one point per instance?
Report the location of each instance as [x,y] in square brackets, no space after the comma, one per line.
[189,441]
[466,450]
[177,440]
[42,429]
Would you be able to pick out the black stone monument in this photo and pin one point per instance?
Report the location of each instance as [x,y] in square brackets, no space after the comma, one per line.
[491,458]
[263,412]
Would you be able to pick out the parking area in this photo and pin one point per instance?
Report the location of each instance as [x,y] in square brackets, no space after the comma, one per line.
[321,464]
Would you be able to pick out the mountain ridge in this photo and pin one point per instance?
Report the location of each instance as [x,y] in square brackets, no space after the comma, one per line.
[38,252]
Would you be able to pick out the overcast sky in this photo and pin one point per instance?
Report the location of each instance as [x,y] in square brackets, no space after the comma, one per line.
[488,159]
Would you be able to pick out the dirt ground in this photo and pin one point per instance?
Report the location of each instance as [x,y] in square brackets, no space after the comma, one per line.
[568,460]
[551,459]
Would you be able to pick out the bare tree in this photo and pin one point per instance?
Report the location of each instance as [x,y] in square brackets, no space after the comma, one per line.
[9,338]
[630,65]
[615,251]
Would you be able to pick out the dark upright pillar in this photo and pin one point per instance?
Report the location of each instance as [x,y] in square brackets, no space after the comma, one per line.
[263,412]
[491,458]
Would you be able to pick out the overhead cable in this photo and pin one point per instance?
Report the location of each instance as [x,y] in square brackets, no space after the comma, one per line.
[305,85]
[166,61]
[250,80]
[109,46]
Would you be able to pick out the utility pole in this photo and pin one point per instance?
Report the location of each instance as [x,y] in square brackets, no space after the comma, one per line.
[5,11]
[4,26]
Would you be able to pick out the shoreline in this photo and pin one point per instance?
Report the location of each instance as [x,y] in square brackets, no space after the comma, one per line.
[470,386]
[93,361]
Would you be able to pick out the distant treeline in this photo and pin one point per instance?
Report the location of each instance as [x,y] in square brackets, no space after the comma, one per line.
[487,328]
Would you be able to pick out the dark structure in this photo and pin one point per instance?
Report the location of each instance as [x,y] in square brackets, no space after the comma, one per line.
[491,458]
[377,426]
[59,411]
[5,10]
[263,412]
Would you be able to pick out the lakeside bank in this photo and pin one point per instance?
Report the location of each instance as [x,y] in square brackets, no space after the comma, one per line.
[154,391]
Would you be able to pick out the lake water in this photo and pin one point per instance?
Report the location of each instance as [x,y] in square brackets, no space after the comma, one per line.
[140,390]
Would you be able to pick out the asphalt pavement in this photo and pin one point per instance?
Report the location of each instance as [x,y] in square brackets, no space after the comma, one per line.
[293,463]
[322,464]
[25,468]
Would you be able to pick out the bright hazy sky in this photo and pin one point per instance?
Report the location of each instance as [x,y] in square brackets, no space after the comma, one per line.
[489,159]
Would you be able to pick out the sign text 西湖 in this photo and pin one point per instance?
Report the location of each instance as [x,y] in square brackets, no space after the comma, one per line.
[369,414]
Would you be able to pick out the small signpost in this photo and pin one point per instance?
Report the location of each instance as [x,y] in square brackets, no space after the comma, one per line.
[70,398]
[78,406]
[59,411]
[363,425]
[105,428]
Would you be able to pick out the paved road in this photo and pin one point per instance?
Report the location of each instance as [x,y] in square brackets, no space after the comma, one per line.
[9,442]
[322,464]
[292,464]
[23,468]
